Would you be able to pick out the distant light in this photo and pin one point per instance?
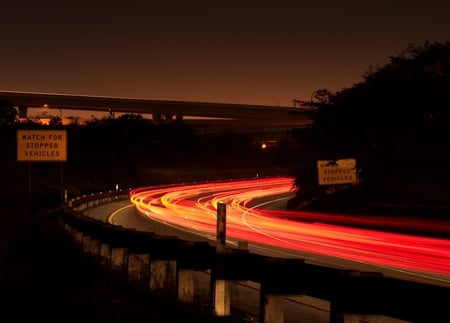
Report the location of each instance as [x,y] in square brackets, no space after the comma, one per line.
[263,145]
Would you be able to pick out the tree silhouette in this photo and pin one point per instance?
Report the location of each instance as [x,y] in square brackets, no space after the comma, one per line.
[55,121]
[319,99]
[8,113]
[395,120]
[398,105]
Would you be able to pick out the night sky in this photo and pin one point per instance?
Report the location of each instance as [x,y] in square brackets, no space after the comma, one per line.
[245,51]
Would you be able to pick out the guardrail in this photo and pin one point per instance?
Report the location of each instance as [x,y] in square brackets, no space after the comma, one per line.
[84,202]
[167,267]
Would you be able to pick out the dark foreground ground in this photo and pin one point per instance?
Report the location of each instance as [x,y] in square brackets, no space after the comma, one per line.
[44,277]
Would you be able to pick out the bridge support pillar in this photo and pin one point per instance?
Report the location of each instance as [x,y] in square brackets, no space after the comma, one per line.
[352,302]
[273,307]
[138,265]
[163,277]
[119,258]
[94,248]
[222,297]
[68,228]
[156,116]
[105,253]
[186,285]
[23,111]
[78,236]
[71,231]
[86,243]
[280,277]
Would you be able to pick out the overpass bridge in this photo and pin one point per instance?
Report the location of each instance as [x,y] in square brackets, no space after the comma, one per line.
[161,108]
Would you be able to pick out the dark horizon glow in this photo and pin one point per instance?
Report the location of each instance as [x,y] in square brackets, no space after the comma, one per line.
[245,52]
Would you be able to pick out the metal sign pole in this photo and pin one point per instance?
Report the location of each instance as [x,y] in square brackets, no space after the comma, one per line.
[61,182]
[29,183]
[221,291]
[221,226]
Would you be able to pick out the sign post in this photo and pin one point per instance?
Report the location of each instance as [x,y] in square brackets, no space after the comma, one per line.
[221,286]
[42,146]
[221,226]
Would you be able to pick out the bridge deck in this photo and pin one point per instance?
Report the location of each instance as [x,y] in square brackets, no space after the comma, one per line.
[147,106]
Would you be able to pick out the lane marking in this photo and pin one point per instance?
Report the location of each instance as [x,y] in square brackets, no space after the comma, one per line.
[110,218]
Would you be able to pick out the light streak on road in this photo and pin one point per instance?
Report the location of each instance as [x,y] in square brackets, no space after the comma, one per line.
[194,207]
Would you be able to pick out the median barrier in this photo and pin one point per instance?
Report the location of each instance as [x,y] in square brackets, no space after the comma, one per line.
[165,266]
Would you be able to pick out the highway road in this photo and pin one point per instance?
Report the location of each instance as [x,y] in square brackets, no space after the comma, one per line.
[256,214]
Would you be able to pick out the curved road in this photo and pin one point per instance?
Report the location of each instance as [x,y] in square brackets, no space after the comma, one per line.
[254,214]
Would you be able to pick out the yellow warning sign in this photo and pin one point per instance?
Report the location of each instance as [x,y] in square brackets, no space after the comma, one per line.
[341,171]
[41,145]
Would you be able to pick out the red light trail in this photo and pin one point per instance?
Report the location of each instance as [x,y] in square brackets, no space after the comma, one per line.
[194,207]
